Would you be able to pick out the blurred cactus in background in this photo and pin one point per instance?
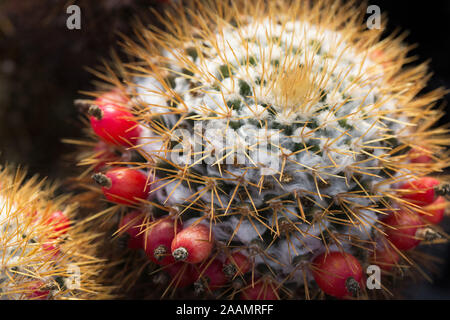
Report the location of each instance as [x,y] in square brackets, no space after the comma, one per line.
[46,254]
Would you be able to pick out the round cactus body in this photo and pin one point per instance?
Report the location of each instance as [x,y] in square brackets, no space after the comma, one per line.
[288,132]
[45,254]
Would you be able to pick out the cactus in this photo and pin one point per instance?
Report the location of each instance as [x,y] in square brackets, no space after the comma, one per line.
[45,253]
[281,132]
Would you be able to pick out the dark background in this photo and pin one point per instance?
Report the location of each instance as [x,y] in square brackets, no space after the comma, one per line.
[428,26]
[42,70]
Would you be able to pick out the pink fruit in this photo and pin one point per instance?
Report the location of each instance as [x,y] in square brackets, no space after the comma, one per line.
[182,274]
[260,291]
[36,291]
[420,191]
[104,154]
[192,244]
[123,185]
[114,96]
[338,274]
[237,263]
[111,120]
[132,223]
[51,247]
[435,211]
[406,225]
[385,258]
[60,224]
[159,241]
[419,156]
[212,275]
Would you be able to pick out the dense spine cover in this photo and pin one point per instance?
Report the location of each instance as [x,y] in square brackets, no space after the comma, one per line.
[287,129]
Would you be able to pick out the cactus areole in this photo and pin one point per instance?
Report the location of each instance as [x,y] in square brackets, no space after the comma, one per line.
[286,130]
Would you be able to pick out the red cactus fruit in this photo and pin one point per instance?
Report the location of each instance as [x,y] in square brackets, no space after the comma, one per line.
[51,248]
[420,191]
[60,222]
[406,225]
[111,120]
[104,154]
[385,258]
[338,274]
[193,244]
[132,223]
[419,155]
[123,185]
[115,96]
[260,291]
[159,240]
[435,211]
[210,274]
[182,274]
[236,264]
[37,292]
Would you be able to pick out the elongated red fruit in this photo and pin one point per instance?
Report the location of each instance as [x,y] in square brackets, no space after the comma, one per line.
[103,154]
[236,264]
[60,224]
[338,274]
[210,276]
[159,241]
[123,185]
[435,211]
[421,191]
[181,273]
[37,292]
[406,225]
[385,258]
[192,244]
[419,155]
[132,223]
[111,120]
[114,96]
[51,248]
[260,291]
